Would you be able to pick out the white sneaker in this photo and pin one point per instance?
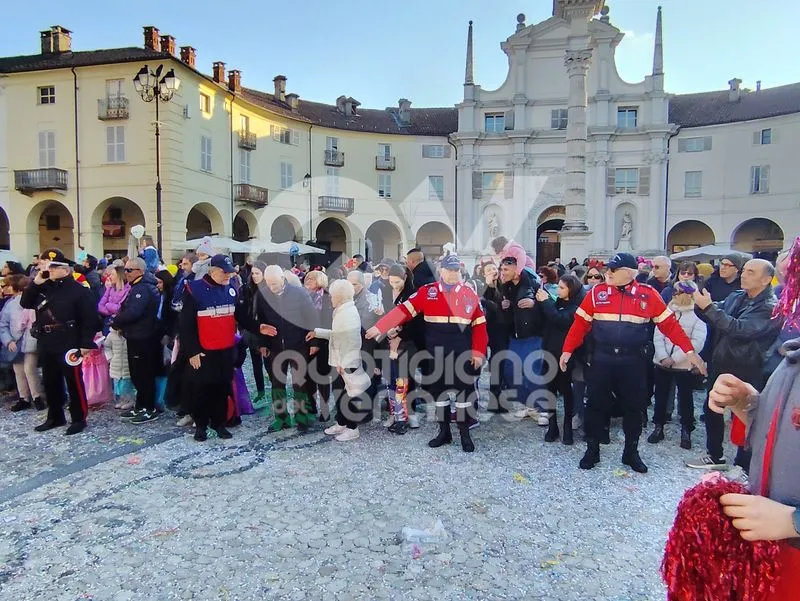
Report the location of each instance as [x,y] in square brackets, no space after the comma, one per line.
[414,420]
[186,420]
[389,421]
[527,412]
[348,434]
[124,405]
[335,430]
[543,419]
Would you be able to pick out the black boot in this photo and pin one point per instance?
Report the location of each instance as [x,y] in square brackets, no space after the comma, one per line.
[443,437]
[686,438]
[630,457]
[657,435]
[49,425]
[222,432]
[552,429]
[20,405]
[200,433]
[605,437]
[592,455]
[566,436]
[466,442]
[39,404]
[75,428]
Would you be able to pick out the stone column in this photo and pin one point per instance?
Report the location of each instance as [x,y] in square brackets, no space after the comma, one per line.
[577,64]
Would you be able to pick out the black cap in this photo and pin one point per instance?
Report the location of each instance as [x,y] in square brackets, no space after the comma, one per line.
[223,262]
[623,260]
[55,256]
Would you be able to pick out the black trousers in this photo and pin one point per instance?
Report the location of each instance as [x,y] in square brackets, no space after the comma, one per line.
[212,408]
[55,372]
[715,424]
[624,376]
[143,362]
[319,380]
[258,367]
[665,381]
[457,376]
[562,383]
[349,412]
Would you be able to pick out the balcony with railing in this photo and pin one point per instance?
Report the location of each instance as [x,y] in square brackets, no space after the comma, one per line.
[337,204]
[112,107]
[247,140]
[29,181]
[384,163]
[250,194]
[334,158]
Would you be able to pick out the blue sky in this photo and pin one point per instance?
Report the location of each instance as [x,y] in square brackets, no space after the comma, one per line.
[379,51]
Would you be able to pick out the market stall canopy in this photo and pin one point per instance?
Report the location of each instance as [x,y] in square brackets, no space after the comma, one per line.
[710,252]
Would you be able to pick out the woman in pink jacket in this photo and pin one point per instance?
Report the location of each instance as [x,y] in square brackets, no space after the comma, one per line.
[114,345]
[503,247]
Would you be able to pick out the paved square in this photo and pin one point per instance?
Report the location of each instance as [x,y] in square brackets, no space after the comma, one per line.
[125,512]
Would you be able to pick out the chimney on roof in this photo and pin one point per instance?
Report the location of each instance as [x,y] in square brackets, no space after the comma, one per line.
[55,40]
[151,38]
[758,86]
[235,81]
[219,73]
[404,112]
[168,44]
[293,100]
[280,87]
[188,55]
[734,91]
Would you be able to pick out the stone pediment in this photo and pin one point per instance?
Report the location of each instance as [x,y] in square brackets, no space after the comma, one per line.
[554,28]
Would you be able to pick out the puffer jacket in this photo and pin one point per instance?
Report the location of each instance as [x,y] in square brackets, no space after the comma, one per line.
[558,317]
[344,336]
[116,350]
[743,330]
[138,316]
[695,329]
[112,299]
[15,324]
[525,323]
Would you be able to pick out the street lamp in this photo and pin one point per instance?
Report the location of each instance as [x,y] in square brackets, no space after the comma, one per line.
[151,86]
[307,184]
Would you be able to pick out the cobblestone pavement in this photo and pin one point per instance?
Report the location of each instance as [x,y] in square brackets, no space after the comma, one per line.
[125,512]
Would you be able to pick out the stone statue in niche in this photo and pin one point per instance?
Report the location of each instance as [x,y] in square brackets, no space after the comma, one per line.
[494,225]
[626,233]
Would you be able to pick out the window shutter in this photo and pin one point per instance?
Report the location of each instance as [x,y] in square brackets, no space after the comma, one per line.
[508,184]
[681,145]
[644,181]
[447,150]
[611,181]
[774,139]
[509,119]
[477,184]
[295,137]
[764,179]
[753,182]
[275,132]
[426,151]
[757,137]
[707,143]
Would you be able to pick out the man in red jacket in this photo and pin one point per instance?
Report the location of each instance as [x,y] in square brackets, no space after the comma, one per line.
[618,314]
[456,336]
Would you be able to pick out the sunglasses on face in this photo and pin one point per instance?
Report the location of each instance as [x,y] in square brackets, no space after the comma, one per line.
[594,276]
[131,269]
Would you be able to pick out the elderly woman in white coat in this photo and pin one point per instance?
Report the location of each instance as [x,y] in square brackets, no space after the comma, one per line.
[345,358]
[673,367]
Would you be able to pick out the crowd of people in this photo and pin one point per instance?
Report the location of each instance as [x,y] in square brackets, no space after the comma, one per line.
[607,338]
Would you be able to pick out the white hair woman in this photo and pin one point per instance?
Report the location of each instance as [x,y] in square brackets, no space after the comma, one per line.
[345,357]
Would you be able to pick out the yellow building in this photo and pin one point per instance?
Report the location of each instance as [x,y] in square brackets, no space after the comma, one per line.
[78,163]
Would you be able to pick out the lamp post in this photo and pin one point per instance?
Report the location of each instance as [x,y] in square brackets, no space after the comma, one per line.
[151,86]
[307,184]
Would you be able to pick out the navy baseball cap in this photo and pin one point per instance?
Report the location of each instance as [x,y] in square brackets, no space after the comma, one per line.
[623,260]
[451,262]
[223,262]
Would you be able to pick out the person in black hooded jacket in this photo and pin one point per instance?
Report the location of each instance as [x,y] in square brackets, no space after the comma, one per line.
[89,271]
[559,315]
[497,324]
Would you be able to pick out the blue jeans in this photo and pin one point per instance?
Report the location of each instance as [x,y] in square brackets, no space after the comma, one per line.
[515,374]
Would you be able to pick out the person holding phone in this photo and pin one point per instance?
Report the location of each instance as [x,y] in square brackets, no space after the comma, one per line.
[66,319]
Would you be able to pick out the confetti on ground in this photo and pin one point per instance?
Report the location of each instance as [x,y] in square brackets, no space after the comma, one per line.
[130,440]
[620,473]
[520,479]
[134,460]
[164,532]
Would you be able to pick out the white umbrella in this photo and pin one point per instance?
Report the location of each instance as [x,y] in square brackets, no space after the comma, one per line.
[255,247]
[221,243]
[709,252]
[296,248]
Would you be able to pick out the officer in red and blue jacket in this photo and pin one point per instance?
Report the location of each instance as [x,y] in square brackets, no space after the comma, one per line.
[618,314]
[455,331]
[207,328]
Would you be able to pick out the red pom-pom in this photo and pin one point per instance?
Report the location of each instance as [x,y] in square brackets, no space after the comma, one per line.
[706,559]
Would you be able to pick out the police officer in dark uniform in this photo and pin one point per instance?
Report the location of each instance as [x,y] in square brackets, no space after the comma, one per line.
[66,319]
[618,314]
